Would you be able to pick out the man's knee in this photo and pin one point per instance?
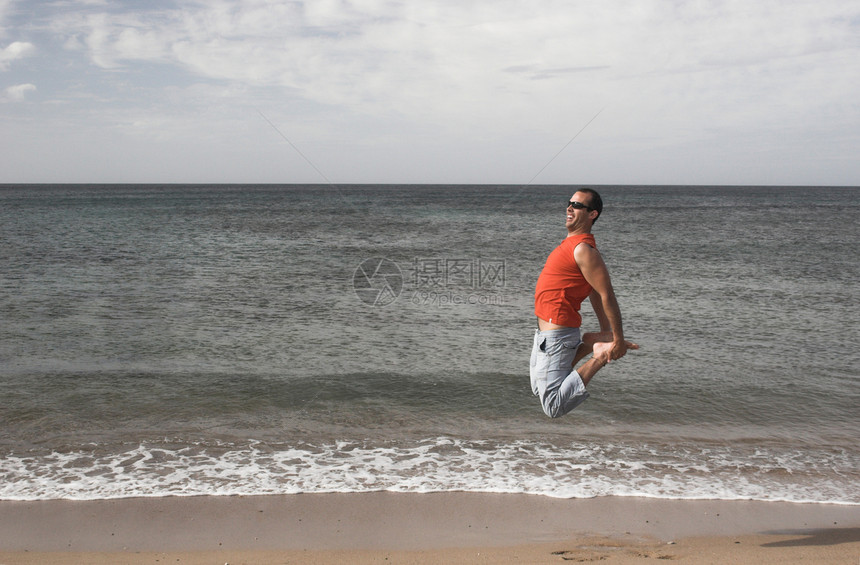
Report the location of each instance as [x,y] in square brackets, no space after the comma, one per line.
[556,407]
[553,408]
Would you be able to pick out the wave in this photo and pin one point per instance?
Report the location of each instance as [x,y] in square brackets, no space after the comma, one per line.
[574,470]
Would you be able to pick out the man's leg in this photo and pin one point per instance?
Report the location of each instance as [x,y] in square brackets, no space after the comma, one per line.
[553,380]
[597,361]
[587,345]
[598,343]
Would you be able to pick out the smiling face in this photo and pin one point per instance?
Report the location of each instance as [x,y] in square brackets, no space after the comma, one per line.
[579,220]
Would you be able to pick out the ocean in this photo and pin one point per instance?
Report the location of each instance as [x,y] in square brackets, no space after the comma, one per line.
[180,340]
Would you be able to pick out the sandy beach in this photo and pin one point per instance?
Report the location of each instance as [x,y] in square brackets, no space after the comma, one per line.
[424,528]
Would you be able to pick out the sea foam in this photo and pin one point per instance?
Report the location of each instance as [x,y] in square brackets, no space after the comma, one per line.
[434,465]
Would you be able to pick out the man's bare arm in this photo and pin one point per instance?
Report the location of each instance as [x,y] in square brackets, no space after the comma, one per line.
[597,305]
[595,272]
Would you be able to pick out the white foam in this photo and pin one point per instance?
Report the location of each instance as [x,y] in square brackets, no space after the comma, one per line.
[433,465]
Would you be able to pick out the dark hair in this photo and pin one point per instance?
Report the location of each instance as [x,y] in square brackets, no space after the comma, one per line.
[596,201]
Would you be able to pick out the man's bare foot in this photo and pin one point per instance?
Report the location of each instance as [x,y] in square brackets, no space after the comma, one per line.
[602,350]
[602,355]
[587,344]
[590,340]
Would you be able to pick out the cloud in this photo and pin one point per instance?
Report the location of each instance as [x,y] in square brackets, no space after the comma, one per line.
[14,51]
[18,92]
[465,83]
[452,56]
[4,8]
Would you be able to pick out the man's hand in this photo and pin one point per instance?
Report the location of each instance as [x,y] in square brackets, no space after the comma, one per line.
[618,349]
[607,351]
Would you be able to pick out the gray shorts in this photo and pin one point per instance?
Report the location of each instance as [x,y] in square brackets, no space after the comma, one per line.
[554,381]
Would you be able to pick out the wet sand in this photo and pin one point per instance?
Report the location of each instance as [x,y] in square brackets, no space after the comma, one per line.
[424,528]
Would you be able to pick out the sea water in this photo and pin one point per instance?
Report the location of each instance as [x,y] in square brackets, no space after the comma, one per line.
[186,340]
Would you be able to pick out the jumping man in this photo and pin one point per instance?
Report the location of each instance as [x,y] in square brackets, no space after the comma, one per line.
[574,271]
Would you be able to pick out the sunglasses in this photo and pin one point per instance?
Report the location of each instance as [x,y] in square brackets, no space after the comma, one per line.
[578,206]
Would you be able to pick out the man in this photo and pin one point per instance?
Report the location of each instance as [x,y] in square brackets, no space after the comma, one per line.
[574,271]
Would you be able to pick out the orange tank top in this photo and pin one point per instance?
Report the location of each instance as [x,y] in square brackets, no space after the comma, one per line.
[561,287]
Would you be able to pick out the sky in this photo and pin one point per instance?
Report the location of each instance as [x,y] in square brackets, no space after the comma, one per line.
[742,92]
